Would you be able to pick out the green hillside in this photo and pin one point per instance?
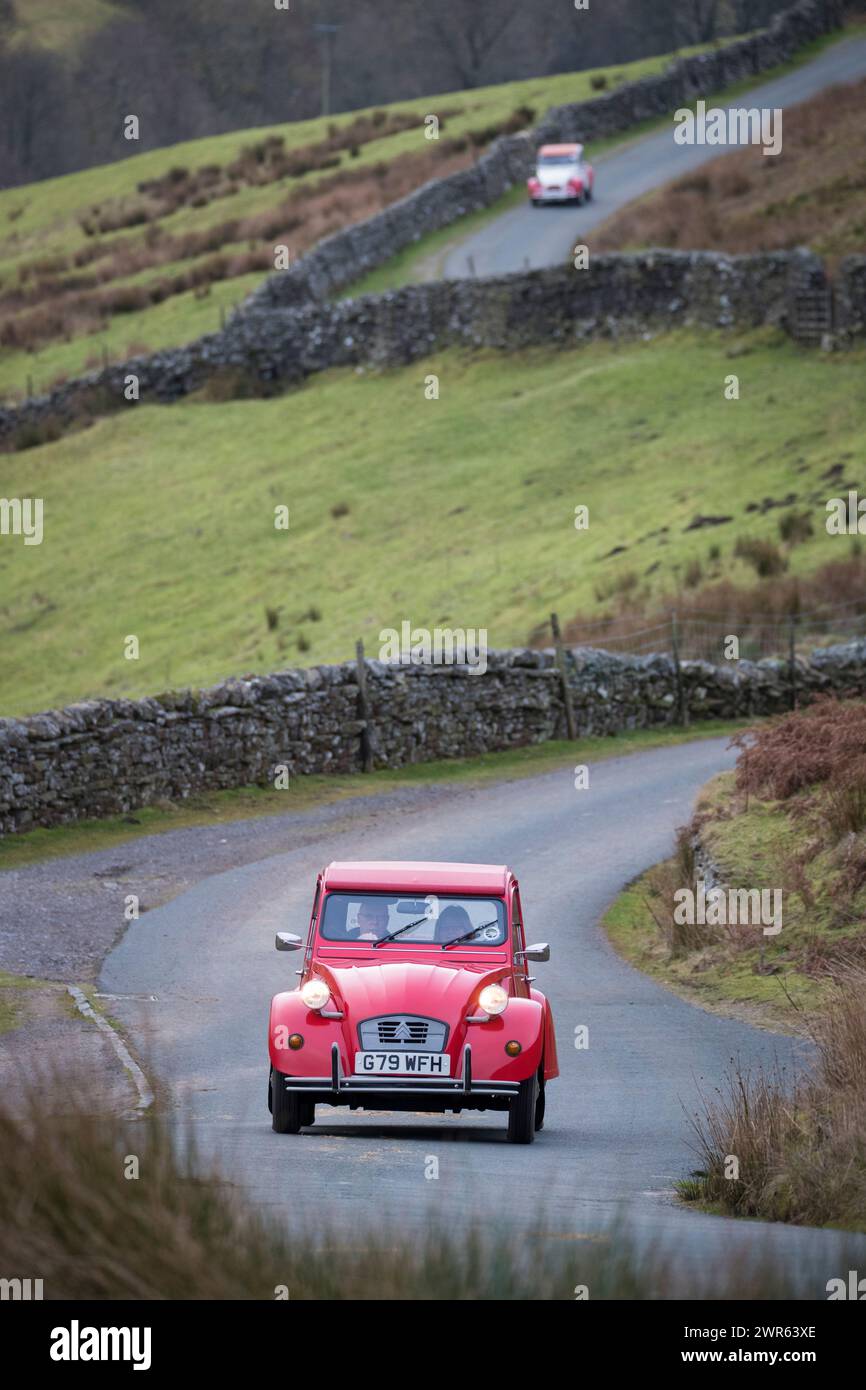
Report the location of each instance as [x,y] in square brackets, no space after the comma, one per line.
[104,260]
[456,512]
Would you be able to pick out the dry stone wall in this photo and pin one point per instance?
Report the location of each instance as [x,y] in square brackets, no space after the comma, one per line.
[616,296]
[104,757]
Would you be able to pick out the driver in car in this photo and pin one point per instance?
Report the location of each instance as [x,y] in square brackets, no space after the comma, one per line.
[372,920]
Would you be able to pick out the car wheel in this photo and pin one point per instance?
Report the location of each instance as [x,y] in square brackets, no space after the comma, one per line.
[539,1107]
[521,1112]
[289,1111]
[588,194]
[536,202]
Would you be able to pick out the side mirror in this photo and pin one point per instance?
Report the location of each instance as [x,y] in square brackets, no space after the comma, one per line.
[287,941]
[540,951]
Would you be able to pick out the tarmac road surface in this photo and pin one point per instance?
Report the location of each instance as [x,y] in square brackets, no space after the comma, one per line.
[616,1134]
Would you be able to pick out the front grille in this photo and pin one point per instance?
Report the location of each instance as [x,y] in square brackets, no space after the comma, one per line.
[400,1031]
[390,1030]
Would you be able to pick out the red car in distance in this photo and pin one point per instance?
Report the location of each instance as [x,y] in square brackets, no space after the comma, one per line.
[562,175]
[414,995]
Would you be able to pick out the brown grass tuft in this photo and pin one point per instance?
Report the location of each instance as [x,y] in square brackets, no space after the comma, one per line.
[800,1143]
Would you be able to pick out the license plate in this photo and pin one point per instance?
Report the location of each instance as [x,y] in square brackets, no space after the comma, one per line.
[402,1064]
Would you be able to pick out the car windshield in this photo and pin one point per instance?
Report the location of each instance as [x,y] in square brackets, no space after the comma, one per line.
[436,919]
[547,161]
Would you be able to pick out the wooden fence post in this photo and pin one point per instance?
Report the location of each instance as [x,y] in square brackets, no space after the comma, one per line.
[682,712]
[792,658]
[563,677]
[364,709]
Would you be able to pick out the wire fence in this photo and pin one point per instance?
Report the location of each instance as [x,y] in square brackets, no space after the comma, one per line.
[717,637]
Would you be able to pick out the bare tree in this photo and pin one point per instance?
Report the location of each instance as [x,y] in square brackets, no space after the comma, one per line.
[753,14]
[701,20]
[34,98]
[190,68]
[466,31]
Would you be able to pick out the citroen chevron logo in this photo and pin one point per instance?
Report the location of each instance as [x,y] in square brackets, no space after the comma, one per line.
[402,1033]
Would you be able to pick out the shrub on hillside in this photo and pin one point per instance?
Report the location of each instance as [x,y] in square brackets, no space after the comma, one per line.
[795,527]
[693,575]
[36,432]
[765,558]
[822,744]
[233,384]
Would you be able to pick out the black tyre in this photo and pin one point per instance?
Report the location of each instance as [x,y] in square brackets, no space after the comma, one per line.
[539,1106]
[289,1111]
[521,1112]
[588,195]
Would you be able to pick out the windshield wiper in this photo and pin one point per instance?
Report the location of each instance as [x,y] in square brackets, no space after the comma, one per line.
[398,932]
[467,935]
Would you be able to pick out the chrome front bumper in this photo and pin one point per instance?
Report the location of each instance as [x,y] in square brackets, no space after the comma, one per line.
[339,1084]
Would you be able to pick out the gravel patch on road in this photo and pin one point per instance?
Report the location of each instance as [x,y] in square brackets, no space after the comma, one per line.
[59,919]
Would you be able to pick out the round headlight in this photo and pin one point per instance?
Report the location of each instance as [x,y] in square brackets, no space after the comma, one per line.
[493,999]
[315,993]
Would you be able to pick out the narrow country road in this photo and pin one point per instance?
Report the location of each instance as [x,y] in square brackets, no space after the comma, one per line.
[192,982]
[527,237]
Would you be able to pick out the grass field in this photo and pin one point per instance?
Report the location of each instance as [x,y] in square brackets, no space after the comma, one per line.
[457,512]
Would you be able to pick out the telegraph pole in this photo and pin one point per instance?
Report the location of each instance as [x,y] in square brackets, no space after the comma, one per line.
[328,33]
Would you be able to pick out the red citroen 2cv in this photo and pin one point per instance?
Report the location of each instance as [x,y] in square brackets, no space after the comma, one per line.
[414,995]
